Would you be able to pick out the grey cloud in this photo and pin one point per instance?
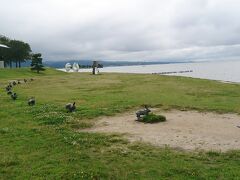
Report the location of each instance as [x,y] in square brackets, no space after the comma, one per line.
[125,30]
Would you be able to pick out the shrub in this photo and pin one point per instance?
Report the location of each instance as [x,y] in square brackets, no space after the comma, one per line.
[153,118]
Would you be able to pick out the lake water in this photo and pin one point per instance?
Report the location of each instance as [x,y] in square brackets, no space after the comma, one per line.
[224,71]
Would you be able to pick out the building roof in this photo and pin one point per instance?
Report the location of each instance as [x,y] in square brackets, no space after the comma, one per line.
[4,46]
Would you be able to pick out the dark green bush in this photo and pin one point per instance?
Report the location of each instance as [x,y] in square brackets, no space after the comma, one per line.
[153,118]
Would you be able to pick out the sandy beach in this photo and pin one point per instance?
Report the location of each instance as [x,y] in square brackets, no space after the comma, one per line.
[188,130]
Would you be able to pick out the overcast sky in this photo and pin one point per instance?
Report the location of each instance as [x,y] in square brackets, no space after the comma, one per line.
[153,30]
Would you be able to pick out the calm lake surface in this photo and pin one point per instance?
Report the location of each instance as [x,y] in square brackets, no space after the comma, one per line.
[223,71]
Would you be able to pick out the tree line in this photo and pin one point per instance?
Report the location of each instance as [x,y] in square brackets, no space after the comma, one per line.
[90,66]
[17,53]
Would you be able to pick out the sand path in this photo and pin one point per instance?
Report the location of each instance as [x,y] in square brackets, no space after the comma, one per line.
[189,130]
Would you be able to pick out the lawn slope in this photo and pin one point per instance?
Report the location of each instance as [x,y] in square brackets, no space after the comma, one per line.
[42,142]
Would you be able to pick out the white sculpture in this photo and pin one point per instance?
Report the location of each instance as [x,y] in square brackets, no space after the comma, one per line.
[75,67]
[68,67]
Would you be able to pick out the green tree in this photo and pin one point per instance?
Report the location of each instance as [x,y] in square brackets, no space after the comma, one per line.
[18,52]
[4,52]
[36,64]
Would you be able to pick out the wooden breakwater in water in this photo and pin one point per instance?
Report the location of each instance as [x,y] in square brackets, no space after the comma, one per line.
[174,72]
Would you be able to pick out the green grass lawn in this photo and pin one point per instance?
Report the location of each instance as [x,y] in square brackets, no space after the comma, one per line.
[41,142]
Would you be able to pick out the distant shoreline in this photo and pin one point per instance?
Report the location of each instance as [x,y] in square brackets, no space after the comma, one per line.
[221,71]
[60,64]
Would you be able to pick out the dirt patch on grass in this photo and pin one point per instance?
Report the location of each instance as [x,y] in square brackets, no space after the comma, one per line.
[189,130]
